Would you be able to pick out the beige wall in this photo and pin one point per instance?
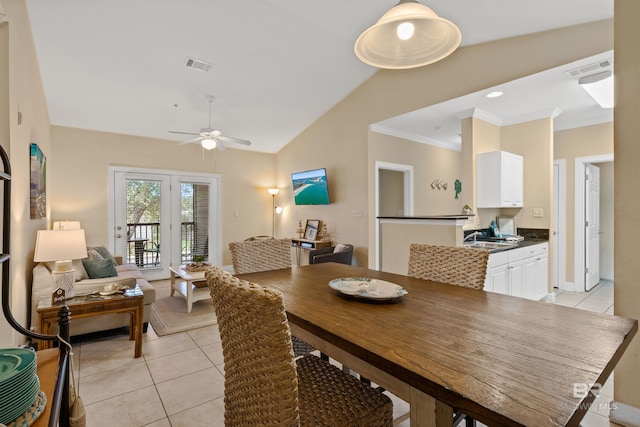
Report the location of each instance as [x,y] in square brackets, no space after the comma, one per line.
[626,179]
[606,220]
[429,163]
[79,187]
[26,96]
[568,145]
[534,141]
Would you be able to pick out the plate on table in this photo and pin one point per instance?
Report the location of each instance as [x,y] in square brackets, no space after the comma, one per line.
[368,288]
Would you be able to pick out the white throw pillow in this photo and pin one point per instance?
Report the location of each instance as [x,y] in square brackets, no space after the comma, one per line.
[79,270]
[339,248]
[93,254]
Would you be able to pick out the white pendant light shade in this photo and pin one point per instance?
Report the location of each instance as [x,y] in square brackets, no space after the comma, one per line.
[409,35]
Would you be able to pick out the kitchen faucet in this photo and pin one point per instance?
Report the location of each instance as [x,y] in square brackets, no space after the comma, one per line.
[474,234]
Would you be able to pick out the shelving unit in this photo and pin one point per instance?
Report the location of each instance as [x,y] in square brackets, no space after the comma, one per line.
[55,382]
[308,245]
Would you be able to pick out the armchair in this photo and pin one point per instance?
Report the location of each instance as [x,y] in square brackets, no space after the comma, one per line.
[339,253]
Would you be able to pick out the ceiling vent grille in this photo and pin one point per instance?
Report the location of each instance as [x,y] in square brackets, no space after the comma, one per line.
[596,67]
[198,65]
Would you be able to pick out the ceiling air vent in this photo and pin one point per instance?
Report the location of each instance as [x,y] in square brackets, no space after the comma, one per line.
[198,65]
[596,67]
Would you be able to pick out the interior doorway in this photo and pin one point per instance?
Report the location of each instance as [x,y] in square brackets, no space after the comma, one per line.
[393,195]
[583,256]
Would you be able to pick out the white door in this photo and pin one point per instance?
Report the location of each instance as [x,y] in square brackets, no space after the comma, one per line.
[555,274]
[592,226]
[142,219]
[198,217]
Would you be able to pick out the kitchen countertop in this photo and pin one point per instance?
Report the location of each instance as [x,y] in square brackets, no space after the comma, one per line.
[520,244]
[451,217]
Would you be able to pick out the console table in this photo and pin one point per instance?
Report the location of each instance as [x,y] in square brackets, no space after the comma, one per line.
[305,244]
[131,302]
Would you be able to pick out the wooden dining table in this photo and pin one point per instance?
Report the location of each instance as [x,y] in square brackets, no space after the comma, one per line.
[502,360]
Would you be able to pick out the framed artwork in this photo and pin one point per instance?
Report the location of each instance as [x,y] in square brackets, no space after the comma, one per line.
[38,183]
[311,230]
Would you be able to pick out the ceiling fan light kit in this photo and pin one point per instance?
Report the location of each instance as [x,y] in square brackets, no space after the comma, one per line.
[208,144]
[211,138]
[409,35]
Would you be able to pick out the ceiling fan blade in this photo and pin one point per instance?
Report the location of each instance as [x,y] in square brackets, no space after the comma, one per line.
[184,133]
[198,139]
[219,145]
[236,140]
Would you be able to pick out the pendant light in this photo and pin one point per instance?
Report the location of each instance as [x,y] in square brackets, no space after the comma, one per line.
[409,35]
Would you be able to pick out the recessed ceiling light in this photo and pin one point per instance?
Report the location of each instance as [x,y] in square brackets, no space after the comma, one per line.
[495,94]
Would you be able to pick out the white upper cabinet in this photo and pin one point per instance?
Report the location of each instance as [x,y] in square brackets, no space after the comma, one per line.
[499,180]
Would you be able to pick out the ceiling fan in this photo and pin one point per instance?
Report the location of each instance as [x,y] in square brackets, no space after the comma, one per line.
[211,138]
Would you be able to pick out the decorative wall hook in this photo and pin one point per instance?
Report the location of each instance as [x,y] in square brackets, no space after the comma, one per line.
[440,185]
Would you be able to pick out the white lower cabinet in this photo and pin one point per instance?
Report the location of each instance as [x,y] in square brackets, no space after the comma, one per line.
[520,272]
[536,268]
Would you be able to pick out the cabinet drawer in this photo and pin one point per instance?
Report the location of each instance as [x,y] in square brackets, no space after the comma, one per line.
[535,250]
[497,259]
[515,254]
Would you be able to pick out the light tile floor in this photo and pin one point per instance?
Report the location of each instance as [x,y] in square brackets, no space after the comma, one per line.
[179,380]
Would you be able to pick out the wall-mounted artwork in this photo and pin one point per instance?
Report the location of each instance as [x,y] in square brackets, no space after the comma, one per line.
[38,183]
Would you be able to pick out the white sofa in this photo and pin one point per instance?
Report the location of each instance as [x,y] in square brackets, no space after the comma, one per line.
[43,287]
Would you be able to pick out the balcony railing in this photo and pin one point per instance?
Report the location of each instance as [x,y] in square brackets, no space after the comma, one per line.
[144,243]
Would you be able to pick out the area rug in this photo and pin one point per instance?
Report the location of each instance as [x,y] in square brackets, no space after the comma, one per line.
[169,313]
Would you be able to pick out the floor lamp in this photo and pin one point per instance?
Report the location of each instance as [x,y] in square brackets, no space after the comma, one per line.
[273,192]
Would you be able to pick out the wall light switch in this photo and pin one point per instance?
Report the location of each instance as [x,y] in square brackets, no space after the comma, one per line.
[538,212]
[236,214]
[357,212]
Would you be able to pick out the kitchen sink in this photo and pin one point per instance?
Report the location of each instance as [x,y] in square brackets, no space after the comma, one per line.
[490,245]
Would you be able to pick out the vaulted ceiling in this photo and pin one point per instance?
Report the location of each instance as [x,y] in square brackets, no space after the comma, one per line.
[276,65]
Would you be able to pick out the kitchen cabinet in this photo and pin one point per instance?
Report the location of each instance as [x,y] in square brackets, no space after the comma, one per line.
[535,271]
[499,179]
[519,272]
[504,273]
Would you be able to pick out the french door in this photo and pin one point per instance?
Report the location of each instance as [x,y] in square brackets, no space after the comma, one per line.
[164,218]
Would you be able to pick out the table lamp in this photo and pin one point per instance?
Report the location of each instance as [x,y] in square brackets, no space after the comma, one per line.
[65,225]
[61,246]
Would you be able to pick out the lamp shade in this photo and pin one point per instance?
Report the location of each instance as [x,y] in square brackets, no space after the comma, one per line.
[58,245]
[273,191]
[409,35]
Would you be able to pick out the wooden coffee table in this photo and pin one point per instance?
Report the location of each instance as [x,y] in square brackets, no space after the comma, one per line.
[94,305]
[185,287]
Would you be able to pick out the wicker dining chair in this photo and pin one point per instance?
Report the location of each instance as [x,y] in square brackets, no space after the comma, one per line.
[454,265]
[264,384]
[459,266]
[263,254]
[260,255]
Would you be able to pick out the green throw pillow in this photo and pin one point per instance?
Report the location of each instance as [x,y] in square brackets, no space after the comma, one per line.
[99,268]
